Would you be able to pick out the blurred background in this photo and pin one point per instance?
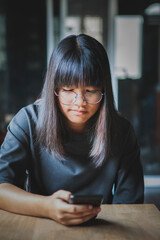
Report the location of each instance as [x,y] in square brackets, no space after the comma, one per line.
[130,32]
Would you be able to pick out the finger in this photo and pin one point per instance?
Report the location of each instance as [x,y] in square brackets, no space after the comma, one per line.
[79,208]
[77,221]
[74,208]
[81,214]
[62,194]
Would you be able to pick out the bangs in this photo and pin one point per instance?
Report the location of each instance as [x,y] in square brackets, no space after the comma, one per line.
[77,69]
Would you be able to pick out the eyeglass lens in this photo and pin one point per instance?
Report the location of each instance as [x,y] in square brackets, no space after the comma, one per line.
[69,97]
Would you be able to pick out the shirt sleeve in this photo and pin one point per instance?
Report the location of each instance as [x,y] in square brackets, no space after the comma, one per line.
[14,152]
[129,184]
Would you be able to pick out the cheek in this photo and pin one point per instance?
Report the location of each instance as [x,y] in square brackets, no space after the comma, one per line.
[95,108]
[63,108]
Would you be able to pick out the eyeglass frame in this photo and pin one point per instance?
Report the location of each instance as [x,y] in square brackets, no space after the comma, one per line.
[83,95]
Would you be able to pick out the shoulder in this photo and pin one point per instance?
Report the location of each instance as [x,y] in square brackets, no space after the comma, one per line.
[26,119]
[122,125]
[122,133]
[29,113]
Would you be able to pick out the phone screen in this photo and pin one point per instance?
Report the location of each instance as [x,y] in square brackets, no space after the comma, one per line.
[95,200]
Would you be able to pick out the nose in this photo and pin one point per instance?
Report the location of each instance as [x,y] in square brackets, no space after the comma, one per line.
[80,100]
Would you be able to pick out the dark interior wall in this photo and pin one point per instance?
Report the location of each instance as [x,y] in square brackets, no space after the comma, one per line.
[26,50]
[89,7]
[134,6]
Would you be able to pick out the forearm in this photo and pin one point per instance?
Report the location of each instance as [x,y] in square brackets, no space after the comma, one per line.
[17,200]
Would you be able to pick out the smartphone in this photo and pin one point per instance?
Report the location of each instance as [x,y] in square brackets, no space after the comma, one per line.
[95,200]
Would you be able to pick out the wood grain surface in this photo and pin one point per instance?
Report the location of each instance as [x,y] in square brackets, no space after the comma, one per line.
[115,222]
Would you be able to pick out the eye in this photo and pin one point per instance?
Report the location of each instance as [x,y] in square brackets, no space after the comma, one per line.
[67,90]
[91,91]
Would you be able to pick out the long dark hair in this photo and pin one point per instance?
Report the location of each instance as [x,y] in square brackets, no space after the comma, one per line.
[77,60]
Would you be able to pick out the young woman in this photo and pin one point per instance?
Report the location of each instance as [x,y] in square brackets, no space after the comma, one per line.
[71,141]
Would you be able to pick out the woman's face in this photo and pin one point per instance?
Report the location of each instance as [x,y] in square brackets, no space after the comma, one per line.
[80,110]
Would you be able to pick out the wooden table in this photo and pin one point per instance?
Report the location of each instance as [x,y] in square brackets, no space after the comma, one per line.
[115,222]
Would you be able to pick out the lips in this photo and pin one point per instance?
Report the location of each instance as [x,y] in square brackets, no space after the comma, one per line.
[78,112]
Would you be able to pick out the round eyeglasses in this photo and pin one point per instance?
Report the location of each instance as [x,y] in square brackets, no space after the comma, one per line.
[68,97]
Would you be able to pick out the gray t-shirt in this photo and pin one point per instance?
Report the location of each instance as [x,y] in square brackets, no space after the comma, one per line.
[119,179]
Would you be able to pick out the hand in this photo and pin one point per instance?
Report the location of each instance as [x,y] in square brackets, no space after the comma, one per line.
[66,213]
